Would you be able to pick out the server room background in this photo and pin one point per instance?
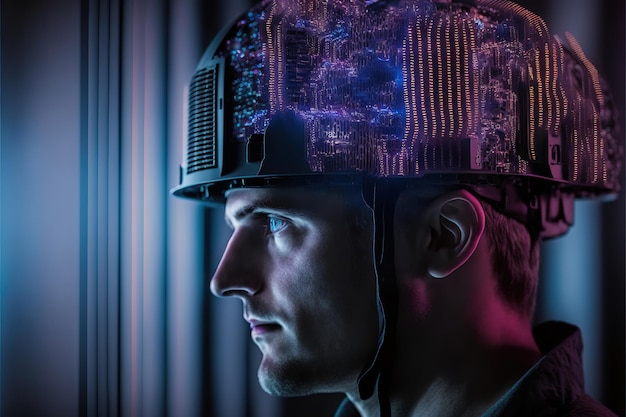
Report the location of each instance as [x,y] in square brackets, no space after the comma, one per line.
[104,303]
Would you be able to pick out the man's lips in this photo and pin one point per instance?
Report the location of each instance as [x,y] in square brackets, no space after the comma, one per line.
[260,327]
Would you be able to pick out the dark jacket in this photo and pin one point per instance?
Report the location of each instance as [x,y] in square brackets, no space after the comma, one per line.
[553,387]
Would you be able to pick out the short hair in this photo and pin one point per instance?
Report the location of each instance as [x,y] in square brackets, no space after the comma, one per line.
[515,258]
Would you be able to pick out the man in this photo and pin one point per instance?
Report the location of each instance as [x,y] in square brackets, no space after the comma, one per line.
[388,169]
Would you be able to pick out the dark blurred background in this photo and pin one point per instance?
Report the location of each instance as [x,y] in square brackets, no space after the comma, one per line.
[104,303]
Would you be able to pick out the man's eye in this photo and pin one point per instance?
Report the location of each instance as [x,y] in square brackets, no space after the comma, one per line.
[275,224]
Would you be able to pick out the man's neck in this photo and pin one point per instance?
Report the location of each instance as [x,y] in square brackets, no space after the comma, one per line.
[453,396]
[452,382]
[468,390]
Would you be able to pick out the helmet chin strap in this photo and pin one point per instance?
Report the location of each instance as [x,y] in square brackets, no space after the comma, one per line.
[382,197]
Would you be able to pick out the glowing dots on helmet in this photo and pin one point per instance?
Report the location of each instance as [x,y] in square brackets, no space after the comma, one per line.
[404,88]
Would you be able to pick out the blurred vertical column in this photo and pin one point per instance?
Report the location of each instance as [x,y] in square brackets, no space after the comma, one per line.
[613,58]
[123,208]
[143,196]
[40,205]
[101,207]
[185,230]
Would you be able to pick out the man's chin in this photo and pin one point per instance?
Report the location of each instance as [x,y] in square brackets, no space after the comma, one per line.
[283,380]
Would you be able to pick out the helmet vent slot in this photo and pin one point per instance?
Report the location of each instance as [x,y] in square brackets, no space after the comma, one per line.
[202,123]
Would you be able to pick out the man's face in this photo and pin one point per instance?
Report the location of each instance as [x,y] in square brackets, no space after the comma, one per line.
[304,272]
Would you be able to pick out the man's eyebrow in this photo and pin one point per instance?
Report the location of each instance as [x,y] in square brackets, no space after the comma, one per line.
[262,204]
[246,210]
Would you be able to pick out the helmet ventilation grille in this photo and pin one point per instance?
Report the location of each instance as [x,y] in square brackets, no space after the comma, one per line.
[202,134]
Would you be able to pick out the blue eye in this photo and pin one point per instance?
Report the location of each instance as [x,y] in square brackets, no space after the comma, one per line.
[275,224]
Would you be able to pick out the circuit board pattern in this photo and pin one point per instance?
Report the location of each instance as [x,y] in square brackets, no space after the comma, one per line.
[416,87]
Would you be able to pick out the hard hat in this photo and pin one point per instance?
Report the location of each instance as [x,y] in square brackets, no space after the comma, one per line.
[475,91]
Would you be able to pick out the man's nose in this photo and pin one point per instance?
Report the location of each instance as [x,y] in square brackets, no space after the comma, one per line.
[239,272]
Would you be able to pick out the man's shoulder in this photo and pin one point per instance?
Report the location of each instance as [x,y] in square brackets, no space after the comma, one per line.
[585,406]
[582,406]
[554,386]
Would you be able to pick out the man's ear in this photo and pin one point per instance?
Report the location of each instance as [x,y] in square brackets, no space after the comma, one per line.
[456,221]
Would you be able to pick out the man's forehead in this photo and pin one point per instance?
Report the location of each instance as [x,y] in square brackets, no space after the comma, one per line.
[240,197]
[292,198]
[264,197]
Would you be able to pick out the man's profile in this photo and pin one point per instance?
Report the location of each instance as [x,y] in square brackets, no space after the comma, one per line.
[388,169]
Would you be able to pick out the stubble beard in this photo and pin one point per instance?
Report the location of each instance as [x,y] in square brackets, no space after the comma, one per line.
[294,378]
[287,379]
